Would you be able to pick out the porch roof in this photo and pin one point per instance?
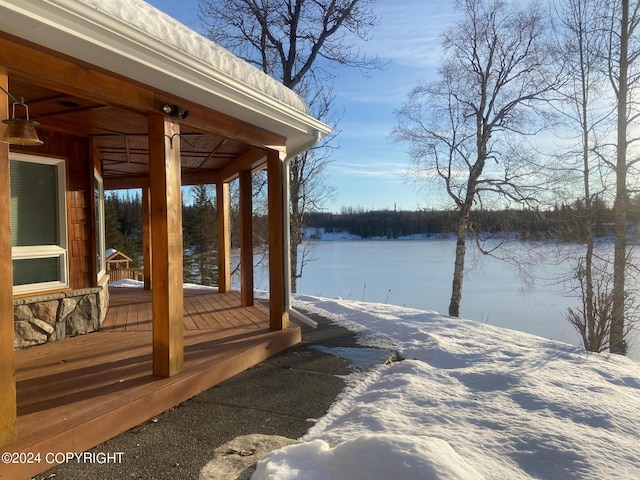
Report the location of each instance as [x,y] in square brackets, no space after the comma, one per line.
[138,43]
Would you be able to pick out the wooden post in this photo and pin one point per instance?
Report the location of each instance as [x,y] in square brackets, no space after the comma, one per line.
[246,238]
[146,236]
[224,237]
[8,408]
[166,245]
[279,317]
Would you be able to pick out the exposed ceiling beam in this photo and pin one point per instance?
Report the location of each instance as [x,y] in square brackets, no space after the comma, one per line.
[249,161]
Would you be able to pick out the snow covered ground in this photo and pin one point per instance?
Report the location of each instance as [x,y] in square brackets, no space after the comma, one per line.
[470,401]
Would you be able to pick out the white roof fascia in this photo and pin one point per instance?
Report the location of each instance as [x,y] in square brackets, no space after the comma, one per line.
[100,32]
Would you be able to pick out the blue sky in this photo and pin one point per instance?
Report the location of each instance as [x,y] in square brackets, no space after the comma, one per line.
[369,169]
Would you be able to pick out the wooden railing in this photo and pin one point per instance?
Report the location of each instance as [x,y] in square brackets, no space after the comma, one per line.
[116,274]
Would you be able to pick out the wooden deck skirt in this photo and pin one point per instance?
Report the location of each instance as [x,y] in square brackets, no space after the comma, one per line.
[76,393]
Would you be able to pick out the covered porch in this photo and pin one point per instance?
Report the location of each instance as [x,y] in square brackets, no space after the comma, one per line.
[131,102]
[76,393]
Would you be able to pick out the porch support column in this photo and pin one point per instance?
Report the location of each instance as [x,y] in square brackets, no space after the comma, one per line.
[246,238]
[166,245]
[8,408]
[224,237]
[279,317]
[146,236]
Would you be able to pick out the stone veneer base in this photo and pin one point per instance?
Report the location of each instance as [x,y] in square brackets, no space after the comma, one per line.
[51,317]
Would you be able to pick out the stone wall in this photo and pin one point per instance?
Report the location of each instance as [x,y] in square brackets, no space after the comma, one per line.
[51,317]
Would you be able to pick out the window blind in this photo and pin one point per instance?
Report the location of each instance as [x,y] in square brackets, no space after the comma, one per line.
[34,200]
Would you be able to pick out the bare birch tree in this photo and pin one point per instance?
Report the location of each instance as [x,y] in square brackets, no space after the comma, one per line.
[602,47]
[579,46]
[298,42]
[623,57]
[461,129]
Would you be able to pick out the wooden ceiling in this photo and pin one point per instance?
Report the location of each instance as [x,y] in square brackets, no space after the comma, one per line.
[120,135]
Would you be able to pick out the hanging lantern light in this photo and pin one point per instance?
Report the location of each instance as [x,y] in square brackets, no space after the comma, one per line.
[20,131]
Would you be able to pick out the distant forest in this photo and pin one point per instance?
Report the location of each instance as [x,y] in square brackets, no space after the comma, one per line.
[562,223]
[123,231]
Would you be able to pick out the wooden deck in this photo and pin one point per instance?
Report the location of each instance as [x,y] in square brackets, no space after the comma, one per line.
[77,393]
[130,311]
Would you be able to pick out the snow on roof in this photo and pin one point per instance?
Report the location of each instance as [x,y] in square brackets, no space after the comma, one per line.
[117,256]
[171,32]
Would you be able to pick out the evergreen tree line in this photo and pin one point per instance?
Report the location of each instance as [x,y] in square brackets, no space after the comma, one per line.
[123,230]
[563,222]
[123,225]
[123,215]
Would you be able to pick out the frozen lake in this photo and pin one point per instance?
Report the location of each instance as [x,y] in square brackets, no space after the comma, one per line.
[418,274]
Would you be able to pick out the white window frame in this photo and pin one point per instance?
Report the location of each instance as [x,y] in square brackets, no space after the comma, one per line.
[100,226]
[60,251]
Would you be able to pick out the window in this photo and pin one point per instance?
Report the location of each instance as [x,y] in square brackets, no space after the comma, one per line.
[98,201]
[38,223]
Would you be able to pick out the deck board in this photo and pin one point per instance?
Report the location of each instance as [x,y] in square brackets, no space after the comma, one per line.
[77,393]
[199,313]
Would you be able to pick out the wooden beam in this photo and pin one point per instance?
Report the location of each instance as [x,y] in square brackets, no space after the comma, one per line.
[201,177]
[224,237]
[71,77]
[146,237]
[248,161]
[198,177]
[166,244]
[126,182]
[209,121]
[8,407]
[279,317]
[246,238]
